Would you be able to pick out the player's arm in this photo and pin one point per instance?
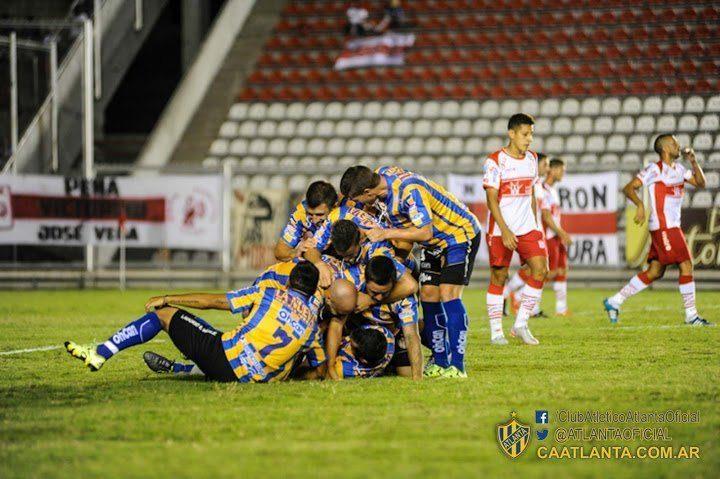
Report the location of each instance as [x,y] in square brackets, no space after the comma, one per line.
[550,223]
[332,344]
[416,206]
[313,253]
[630,192]
[411,234]
[493,203]
[190,300]
[412,342]
[289,238]
[698,176]
[283,251]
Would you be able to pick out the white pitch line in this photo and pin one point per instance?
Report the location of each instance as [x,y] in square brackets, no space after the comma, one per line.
[48,348]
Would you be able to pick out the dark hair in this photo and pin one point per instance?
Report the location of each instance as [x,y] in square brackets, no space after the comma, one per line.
[357,179]
[344,235]
[321,193]
[304,277]
[370,345]
[557,162]
[657,146]
[520,119]
[541,156]
[380,270]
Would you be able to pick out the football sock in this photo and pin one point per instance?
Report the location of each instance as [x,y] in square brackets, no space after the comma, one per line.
[687,290]
[531,294]
[494,302]
[188,369]
[516,282]
[636,284]
[435,332]
[139,331]
[457,327]
[560,287]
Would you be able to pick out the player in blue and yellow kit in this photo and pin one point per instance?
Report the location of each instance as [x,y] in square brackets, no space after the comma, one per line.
[278,326]
[311,213]
[421,211]
[365,352]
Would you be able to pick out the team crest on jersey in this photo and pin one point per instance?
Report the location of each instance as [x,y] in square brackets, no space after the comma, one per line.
[513,436]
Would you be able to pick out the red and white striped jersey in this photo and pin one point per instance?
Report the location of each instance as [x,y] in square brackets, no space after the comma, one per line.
[551,202]
[666,185]
[514,178]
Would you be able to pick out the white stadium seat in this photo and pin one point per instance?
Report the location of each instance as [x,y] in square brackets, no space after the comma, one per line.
[554,145]
[240,182]
[450,109]
[276,111]
[609,159]
[277,182]
[624,124]
[562,126]
[277,146]
[717,200]
[373,110]
[461,128]
[402,128]
[335,146]
[470,109]
[286,128]
[211,163]
[616,144]
[638,143]
[267,129]
[305,128]
[249,163]
[590,107]
[508,108]
[258,146]
[603,124]
[334,111]
[652,105]
[296,147]
[499,126]
[229,129]
[570,107]
[315,110]
[353,110]
[582,125]
[474,146]
[454,146]
[543,126]
[442,127]
[406,162]
[307,164]
[411,110]
[248,129]
[295,111]
[394,146]
[383,128]
[414,146]
[239,147]
[712,179]
[422,128]
[481,127]
[375,146]
[714,159]
[596,144]
[268,164]
[575,144]
[570,159]
[702,142]
[259,182]
[610,106]
[702,199]
[666,123]
[355,146]
[392,110]
[346,162]
[445,163]
[325,128]
[257,111]
[531,107]
[344,128]
[467,163]
[238,111]
[430,109]
[713,104]
[327,163]
[709,123]
[550,107]
[494,143]
[219,147]
[631,106]
[364,128]
[717,142]
[673,104]
[631,160]
[490,109]
[298,183]
[695,104]
[645,124]
[425,163]
[388,161]
[688,123]
[588,159]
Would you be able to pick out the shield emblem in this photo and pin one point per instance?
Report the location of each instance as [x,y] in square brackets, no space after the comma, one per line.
[513,436]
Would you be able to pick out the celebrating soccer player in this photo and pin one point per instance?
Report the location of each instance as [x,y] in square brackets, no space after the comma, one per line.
[509,178]
[419,210]
[665,181]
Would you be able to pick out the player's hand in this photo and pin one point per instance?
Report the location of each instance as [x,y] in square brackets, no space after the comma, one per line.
[364,301]
[689,155]
[640,215]
[565,239]
[305,245]
[376,234]
[326,275]
[156,302]
[509,240]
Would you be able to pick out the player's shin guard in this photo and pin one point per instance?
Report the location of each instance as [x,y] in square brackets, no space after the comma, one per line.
[686,284]
[494,301]
[636,284]
[531,294]
[457,327]
[139,331]
[560,287]
[435,332]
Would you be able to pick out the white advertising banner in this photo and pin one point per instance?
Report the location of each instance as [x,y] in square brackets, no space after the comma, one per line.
[589,207]
[161,211]
[385,50]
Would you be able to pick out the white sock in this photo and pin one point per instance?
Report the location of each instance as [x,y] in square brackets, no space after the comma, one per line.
[506,291]
[495,311]
[633,287]
[560,288]
[687,291]
[515,283]
[536,309]
[530,297]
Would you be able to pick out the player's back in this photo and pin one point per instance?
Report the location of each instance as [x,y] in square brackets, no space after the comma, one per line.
[280,325]
[452,221]
[348,366]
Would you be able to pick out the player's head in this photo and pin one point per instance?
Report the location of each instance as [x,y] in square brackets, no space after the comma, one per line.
[341,297]
[345,238]
[320,198]
[557,169]
[369,345]
[380,277]
[667,144]
[304,278]
[520,131]
[360,183]
[543,162]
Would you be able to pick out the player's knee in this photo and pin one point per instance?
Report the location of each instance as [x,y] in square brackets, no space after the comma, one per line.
[498,276]
[165,315]
[540,273]
[430,294]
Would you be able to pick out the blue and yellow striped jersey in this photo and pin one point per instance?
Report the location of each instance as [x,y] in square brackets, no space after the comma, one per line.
[345,211]
[347,366]
[415,201]
[277,275]
[368,250]
[298,226]
[279,326]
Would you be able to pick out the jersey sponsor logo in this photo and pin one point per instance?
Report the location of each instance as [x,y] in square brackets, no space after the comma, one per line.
[125,334]
[520,187]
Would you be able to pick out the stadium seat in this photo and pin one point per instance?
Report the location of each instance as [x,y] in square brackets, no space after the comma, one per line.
[425,164]
[637,143]
[632,106]
[295,111]
[582,125]
[392,110]
[702,199]
[609,159]
[353,110]
[603,124]
[238,112]
[411,110]
[562,126]
[588,159]
[450,110]
[531,107]
[713,160]
[248,129]
[570,107]
[590,107]
[296,147]
[481,127]
[569,159]
[267,129]
[453,146]
[430,110]
[467,164]
[286,129]
[508,108]
[702,142]
[494,143]
[499,126]
[403,128]
[554,145]
[645,124]
[666,123]
[575,144]
[624,124]
[709,123]
[712,179]
[461,128]
[364,128]
[249,163]
[652,105]
[257,111]
[434,146]
[277,147]
[610,106]
[713,104]
[298,183]
[596,144]
[543,126]
[688,123]
[616,144]
[394,146]
[716,203]
[474,146]
[422,128]
[383,128]
[442,127]
[550,107]
[631,160]
[470,109]
[695,104]
[390,161]
[219,147]
[276,111]
[445,163]
[239,147]
[414,146]
[228,129]
[490,109]
[673,104]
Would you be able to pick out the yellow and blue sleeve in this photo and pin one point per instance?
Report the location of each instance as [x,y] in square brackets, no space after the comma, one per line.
[293,232]
[242,300]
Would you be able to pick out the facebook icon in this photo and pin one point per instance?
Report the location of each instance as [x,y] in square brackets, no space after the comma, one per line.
[542,417]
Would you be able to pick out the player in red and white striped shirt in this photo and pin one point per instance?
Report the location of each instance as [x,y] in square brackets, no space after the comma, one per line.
[509,177]
[665,181]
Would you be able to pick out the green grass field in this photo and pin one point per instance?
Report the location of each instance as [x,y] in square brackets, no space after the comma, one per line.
[59,420]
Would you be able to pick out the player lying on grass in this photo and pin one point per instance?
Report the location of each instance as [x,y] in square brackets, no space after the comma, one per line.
[418,210]
[665,181]
[308,216]
[378,281]
[509,178]
[364,353]
[279,325]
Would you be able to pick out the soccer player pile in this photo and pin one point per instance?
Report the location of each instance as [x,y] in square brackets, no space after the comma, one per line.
[342,302]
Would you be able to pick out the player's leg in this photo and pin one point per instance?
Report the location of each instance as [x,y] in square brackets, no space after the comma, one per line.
[434,332]
[560,288]
[499,258]
[687,291]
[531,295]
[160,364]
[637,283]
[514,285]
[136,332]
